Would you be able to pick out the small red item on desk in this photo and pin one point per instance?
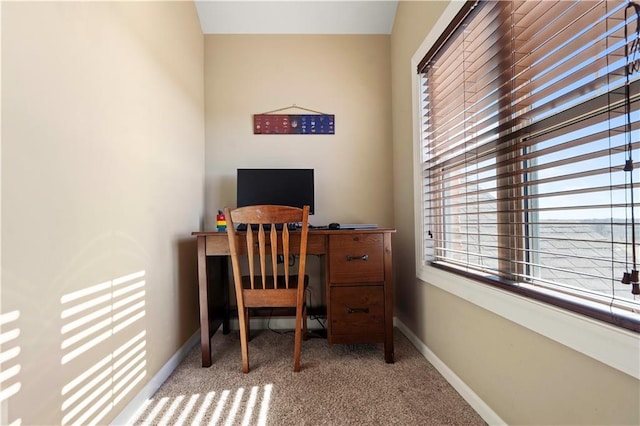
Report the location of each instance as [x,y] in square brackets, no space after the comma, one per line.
[221,222]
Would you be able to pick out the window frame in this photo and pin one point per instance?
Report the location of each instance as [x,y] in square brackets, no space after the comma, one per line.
[583,329]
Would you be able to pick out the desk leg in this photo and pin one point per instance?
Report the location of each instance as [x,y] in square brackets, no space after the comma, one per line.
[226,309]
[203,291]
[389,356]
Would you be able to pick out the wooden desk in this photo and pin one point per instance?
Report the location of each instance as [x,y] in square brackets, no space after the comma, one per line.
[358,281]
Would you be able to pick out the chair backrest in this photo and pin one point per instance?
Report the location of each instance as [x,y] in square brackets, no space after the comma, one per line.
[266,237]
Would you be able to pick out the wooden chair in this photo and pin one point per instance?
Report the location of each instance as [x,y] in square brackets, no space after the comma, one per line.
[267,285]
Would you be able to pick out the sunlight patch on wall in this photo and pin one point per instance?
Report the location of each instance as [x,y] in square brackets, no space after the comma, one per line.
[91,318]
[9,366]
[197,410]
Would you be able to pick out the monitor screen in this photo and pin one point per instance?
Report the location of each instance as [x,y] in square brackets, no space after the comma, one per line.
[290,187]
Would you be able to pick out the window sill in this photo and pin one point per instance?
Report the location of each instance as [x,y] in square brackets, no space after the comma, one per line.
[614,346]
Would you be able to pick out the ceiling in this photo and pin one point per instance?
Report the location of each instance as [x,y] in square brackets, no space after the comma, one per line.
[296,16]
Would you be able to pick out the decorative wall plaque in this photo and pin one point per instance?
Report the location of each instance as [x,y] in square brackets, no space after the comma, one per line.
[317,123]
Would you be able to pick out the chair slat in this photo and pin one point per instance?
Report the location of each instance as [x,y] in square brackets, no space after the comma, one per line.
[274,255]
[285,253]
[250,257]
[261,247]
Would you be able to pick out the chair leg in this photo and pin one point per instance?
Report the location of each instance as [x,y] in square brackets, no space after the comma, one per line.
[305,334]
[298,341]
[248,325]
[243,319]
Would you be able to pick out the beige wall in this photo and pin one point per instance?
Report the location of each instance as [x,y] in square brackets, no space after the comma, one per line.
[348,76]
[523,377]
[102,184]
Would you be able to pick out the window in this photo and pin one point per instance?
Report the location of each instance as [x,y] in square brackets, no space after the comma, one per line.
[530,130]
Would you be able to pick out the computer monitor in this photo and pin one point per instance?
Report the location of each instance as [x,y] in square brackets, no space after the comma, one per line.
[290,187]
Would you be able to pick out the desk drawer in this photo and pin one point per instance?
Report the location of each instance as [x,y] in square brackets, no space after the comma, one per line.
[217,245]
[356,258]
[316,244]
[357,314]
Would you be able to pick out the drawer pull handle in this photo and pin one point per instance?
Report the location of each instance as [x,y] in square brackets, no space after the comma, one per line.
[364,257]
[357,310]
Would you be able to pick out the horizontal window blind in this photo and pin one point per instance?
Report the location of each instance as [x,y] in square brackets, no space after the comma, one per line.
[530,128]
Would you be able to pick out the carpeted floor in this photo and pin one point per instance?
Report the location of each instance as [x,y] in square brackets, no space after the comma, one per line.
[337,385]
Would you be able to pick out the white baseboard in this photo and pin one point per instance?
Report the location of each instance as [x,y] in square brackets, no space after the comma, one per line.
[487,414]
[126,416]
